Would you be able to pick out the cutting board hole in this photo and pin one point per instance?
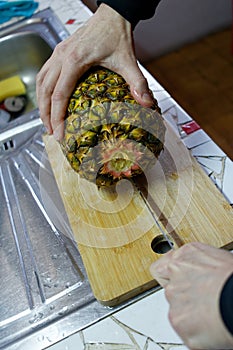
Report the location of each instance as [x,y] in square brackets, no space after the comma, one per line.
[160,245]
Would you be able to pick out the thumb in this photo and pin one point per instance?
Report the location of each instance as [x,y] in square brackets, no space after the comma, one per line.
[138,84]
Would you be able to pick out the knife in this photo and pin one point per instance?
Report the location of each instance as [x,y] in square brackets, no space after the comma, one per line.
[150,203]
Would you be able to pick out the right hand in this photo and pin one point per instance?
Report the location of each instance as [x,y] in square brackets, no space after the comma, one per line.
[106,40]
[193,277]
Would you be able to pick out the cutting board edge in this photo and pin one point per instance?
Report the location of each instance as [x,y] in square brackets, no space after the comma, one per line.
[121,298]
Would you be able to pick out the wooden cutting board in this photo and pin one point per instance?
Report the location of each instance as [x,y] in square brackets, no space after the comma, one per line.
[114,231]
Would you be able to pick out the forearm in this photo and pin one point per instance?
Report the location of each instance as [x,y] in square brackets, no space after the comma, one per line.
[133,10]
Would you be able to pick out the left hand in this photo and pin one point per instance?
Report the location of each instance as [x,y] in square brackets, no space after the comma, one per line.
[106,39]
[193,277]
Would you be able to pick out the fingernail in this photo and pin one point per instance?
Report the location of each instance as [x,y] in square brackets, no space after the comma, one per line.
[48,131]
[147,98]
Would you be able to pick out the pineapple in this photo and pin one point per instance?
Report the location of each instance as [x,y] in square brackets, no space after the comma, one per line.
[108,135]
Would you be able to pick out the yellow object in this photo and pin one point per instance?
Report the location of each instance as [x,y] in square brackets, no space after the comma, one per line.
[12,86]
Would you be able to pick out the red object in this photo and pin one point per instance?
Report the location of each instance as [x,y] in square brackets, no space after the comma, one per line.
[2,105]
[190,127]
[70,21]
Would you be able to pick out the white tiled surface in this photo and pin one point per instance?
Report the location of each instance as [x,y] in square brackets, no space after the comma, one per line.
[141,326]
[144,325]
[71,13]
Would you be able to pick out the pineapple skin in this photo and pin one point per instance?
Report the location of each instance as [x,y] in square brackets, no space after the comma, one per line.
[108,136]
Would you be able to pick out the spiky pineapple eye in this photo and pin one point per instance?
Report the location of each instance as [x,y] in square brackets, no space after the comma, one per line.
[72,105]
[88,139]
[73,126]
[71,145]
[137,134]
[115,80]
[112,95]
[101,88]
[77,94]
[111,82]
[85,105]
[99,110]
[97,77]
[84,88]
[93,79]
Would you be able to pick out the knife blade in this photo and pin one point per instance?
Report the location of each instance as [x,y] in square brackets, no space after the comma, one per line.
[148,201]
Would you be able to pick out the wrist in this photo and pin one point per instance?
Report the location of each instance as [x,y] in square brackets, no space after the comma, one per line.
[111,11]
[125,12]
[133,11]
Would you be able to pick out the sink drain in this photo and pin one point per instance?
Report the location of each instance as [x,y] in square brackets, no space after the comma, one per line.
[160,245]
[8,145]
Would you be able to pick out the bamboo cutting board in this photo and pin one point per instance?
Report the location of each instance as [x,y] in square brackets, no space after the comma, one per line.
[115,231]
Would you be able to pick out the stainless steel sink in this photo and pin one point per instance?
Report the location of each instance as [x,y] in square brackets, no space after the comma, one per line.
[45,295]
[25,46]
[24,54]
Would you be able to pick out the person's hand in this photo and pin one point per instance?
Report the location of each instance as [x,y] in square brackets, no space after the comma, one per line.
[106,40]
[193,277]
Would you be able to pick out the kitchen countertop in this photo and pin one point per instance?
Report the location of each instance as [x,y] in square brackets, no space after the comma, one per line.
[144,324]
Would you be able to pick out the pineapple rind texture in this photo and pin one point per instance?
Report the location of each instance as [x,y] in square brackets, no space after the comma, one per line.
[108,135]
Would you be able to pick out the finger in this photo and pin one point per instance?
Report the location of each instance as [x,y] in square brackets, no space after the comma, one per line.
[160,273]
[160,269]
[138,84]
[41,106]
[163,282]
[61,95]
[46,81]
